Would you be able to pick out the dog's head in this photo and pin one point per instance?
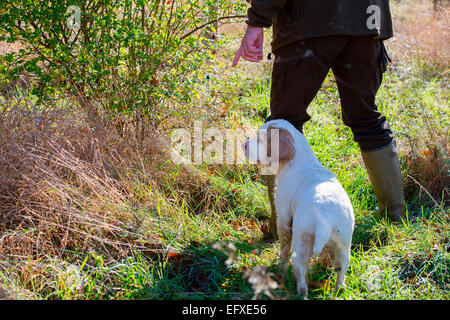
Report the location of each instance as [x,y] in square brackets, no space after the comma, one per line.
[273,146]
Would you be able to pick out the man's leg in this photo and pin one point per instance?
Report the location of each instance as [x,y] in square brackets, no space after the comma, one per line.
[298,72]
[358,72]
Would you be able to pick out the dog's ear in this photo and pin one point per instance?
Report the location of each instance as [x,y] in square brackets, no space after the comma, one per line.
[286,143]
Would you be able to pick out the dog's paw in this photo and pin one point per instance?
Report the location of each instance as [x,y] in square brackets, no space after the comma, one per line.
[302,291]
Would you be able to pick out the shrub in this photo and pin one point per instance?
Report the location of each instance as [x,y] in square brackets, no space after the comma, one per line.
[127,54]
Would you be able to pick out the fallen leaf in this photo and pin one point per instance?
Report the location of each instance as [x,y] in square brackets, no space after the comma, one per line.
[426,152]
[154,81]
[174,255]
[326,285]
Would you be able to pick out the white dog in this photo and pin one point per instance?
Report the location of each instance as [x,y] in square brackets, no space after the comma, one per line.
[315,214]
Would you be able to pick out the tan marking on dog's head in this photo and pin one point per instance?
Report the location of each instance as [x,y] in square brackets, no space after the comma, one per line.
[286,143]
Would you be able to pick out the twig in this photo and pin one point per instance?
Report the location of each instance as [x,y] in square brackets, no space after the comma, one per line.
[211,22]
[426,191]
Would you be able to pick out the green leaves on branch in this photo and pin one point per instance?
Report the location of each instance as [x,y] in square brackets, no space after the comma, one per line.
[127,54]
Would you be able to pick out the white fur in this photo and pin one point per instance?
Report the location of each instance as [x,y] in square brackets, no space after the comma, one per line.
[315,214]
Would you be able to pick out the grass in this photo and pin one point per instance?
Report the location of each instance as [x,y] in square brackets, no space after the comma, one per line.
[113,218]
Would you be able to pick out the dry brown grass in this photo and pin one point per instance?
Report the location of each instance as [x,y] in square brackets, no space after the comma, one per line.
[418,32]
[67,186]
[70,187]
[427,175]
[421,37]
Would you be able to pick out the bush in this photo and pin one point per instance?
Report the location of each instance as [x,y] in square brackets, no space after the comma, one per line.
[127,54]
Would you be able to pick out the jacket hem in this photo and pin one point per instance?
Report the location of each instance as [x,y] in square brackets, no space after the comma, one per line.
[278,45]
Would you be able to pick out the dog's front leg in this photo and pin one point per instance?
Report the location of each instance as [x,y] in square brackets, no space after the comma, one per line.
[284,225]
[271,189]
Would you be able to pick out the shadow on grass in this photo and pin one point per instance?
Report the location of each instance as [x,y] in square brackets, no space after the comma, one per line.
[199,271]
[370,231]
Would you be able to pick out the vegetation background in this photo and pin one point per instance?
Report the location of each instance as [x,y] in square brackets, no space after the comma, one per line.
[92,207]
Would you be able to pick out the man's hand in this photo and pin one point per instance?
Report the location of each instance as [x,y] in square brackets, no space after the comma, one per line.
[251,46]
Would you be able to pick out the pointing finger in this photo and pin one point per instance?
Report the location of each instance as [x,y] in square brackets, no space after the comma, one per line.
[237,56]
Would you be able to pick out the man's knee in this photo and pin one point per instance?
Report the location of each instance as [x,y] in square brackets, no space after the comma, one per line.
[372,133]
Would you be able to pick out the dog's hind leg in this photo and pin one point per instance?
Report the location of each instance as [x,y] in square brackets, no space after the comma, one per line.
[342,261]
[302,246]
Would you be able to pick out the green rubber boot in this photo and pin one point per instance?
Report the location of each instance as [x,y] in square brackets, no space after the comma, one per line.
[384,172]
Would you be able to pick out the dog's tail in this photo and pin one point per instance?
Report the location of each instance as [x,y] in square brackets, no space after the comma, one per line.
[320,240]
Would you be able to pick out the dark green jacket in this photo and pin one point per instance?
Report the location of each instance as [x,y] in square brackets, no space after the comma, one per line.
[294,20]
